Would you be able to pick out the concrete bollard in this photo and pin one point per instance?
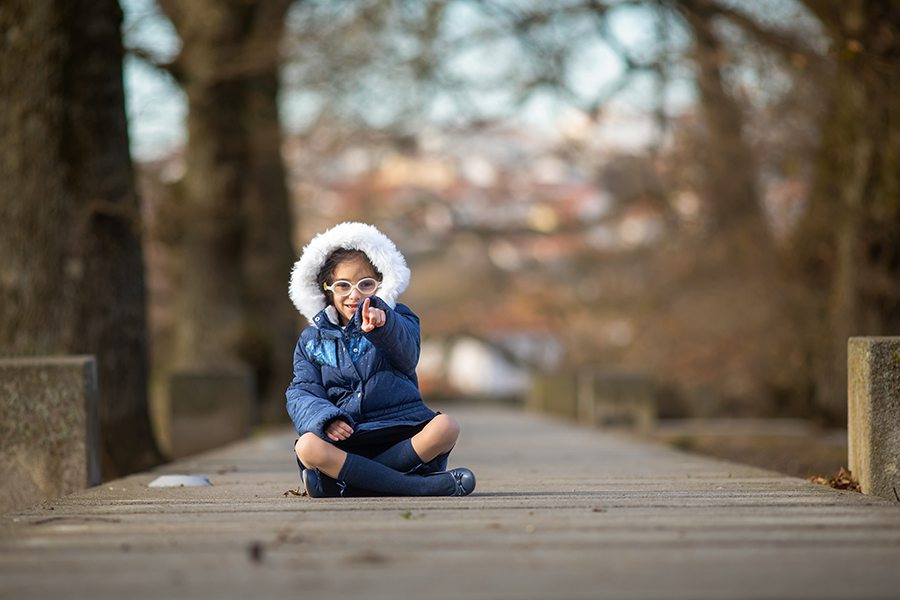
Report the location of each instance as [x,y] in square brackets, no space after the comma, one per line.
[48,428]
[873,414]
[206,409]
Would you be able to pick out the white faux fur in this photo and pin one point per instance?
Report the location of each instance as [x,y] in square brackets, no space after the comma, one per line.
[307,294]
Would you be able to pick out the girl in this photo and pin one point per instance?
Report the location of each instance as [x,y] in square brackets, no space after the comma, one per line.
[355,398]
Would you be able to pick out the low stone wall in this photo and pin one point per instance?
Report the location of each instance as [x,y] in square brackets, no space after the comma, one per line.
[554,394]
[48,428]
[594,396]
[204,409]
[873,414]
[617,398]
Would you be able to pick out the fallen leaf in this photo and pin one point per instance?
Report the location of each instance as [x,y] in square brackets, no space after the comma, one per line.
[844,480]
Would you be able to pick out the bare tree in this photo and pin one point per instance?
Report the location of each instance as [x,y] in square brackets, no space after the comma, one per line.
[830,66]
[377,69]
[73,279]
[849,244]
[232,213]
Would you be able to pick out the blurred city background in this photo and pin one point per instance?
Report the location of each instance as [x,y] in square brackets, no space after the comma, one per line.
[696,200]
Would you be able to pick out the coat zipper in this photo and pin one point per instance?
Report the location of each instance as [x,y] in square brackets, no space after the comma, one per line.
[355,368]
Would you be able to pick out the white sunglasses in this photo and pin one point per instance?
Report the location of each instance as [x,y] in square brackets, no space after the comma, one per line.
[342,287]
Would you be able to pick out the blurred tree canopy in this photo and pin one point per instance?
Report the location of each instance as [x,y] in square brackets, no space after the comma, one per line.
[799,92]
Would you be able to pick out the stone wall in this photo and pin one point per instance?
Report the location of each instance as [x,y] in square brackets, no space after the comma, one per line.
[205,409]
[596,396]
[48,428]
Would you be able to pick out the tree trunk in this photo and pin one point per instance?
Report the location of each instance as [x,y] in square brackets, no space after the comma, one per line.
[851,233]
[728,164]
[209,311]
[39,277]
[72,278]
[235,249]
[271,324]
[853,160]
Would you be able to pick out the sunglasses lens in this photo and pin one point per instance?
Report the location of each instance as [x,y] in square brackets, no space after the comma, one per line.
[367,286]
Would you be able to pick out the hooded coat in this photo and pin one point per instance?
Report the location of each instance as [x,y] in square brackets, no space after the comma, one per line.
[367,379]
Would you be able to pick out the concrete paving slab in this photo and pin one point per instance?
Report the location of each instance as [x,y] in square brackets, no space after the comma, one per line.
[559,512]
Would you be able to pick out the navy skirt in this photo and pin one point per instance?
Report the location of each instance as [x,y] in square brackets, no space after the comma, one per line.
[372,443]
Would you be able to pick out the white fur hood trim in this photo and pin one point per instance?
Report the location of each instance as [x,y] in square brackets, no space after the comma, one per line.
[307,294]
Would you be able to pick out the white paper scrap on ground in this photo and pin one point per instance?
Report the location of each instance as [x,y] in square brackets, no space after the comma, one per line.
[179,481]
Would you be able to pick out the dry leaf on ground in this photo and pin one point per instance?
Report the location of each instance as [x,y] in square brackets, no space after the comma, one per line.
[844,480]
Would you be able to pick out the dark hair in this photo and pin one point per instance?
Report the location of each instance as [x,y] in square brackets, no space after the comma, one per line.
[326,273]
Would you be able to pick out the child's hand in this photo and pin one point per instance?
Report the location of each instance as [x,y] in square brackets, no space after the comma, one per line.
[338,430]
[372,317]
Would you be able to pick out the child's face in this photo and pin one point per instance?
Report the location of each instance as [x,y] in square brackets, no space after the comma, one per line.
[350,270]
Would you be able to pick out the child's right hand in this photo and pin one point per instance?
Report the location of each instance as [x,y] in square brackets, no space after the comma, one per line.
[338,430]
[372,317]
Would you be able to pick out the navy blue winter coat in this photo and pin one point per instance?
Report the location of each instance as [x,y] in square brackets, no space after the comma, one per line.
[367,379]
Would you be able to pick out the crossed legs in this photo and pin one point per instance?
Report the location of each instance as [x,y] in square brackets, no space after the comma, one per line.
[437,437]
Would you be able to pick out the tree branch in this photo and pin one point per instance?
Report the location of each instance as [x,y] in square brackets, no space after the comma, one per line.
[783,43]
[172,67]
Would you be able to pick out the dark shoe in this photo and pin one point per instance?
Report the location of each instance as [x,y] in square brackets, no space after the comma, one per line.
[436,465]
[465,481]
[319,485]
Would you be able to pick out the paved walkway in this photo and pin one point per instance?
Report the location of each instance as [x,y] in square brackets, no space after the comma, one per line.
[560,512]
